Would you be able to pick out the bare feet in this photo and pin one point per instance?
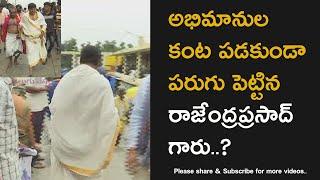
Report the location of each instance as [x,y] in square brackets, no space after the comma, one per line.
[10,62]
[44,61]
[16,62]
[9,66]
[30,71]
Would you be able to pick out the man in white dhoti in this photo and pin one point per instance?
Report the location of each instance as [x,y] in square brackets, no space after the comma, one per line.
[84,122]
[11,35]
[33,26]
[9,138]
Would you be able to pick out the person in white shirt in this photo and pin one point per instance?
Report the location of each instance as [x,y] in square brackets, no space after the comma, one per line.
[4,12]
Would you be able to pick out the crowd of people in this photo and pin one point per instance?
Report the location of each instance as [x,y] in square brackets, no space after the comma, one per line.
[32,30]
[85,123]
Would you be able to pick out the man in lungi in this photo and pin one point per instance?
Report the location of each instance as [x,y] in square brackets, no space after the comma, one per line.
[11,35]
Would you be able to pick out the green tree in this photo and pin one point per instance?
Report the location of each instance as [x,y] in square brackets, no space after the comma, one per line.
[122,45]
[98,45]
[69,45]
[106,46]
[112,46]
[109,46]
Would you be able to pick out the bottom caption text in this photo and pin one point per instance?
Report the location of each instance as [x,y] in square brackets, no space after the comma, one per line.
[245,171]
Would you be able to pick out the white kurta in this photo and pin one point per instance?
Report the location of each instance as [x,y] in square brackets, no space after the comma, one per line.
[2,18]
[36,49]
[84,125]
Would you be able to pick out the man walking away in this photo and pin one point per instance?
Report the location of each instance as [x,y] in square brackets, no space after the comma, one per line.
[85,118]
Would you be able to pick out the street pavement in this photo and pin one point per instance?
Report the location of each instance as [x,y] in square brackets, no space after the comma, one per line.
[51,69]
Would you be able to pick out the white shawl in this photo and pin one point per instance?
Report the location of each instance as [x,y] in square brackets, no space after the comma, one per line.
[36,49]
[33,28]
[84,121]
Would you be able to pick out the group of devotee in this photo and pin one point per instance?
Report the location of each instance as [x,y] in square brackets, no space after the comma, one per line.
[32,31]
[83,136]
